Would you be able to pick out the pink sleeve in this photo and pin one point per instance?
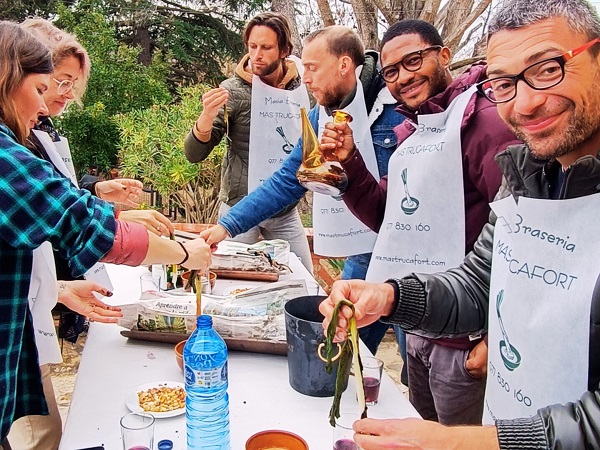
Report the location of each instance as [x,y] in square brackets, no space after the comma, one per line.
[130,246]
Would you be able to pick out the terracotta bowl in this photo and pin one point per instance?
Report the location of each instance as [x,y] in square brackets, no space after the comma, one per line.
[213,279]
[276,440]
[192,227]
[179,354]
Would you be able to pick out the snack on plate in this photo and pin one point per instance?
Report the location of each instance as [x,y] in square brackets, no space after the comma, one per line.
[239,291]
[162,399]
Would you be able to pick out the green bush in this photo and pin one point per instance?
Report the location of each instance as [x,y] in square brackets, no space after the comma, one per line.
[118,84]
[151,150]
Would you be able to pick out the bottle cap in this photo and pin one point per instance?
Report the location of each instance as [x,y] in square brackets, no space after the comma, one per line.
[165,444]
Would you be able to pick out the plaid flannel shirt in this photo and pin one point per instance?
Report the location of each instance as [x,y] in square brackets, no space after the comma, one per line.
[37,204]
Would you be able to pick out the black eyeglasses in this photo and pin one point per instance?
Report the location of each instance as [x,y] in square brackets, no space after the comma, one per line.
[539,76]
[411,62]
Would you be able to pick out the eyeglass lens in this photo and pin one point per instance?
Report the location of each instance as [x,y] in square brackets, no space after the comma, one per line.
[542,75]
[65,86]
[411,62]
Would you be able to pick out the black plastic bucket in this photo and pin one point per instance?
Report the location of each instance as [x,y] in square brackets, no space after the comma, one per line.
[304,333]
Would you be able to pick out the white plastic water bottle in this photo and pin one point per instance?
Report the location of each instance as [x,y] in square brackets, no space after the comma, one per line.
[207,402]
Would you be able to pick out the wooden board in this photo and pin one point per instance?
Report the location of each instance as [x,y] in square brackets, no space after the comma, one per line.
[241,345]
[252,275]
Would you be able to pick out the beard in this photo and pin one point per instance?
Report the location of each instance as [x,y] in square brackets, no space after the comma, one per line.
[437,84]
[437,81]
[266,70]
[333,98]
[583,123]
[551,144]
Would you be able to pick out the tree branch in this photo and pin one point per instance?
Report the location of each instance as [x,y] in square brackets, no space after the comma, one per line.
[466,62]
[456,34]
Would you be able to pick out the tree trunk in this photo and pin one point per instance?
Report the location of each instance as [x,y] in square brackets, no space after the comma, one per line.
[140,23]
[286,7]
[326,13]
[457,12]
[454,28]
[141,37]
[430,10]
[366,19]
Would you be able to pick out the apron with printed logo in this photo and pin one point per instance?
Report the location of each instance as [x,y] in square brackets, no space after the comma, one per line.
[423,229]
[544,272]
[63,149]
[337,232]
[43,293]
[275,127]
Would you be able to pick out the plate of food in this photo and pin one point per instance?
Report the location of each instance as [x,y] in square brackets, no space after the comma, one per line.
[161,399]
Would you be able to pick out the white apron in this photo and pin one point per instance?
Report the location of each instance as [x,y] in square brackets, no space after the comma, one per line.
[337,232]
[275,127]
[545,265]
[42,298]
[63,149]
[43,293]
[60,154]
[423,229]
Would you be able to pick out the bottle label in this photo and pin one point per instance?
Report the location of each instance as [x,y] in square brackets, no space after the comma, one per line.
[210,378]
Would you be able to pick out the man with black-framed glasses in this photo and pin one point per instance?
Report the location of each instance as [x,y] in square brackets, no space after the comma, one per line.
[538,259]
[445,160]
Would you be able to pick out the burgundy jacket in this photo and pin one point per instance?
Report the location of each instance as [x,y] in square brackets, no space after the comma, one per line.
[483,135]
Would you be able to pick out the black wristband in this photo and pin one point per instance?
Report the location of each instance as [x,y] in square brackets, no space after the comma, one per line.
[187,255]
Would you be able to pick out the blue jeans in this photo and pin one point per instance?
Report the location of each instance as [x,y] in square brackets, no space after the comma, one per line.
[372,335]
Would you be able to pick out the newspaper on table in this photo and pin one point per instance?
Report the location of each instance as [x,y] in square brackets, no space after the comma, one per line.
[264,256]
[256,313]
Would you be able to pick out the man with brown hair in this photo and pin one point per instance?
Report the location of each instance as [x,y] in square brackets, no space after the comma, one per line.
[258,110]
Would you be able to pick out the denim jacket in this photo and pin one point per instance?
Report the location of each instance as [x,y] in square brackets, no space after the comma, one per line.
[283,188]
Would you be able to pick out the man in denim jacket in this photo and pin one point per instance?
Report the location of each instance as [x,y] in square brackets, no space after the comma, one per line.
[283,188]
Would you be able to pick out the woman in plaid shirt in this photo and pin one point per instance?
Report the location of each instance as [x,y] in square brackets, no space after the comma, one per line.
[36,205]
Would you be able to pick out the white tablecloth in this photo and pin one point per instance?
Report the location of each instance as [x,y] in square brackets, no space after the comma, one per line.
[260,396]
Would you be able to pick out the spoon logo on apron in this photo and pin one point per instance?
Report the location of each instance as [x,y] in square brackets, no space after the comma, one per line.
[509,354]
[542,285]
[409,204]
[287,147]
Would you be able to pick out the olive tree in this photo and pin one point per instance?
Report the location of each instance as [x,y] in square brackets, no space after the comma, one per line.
[151,150]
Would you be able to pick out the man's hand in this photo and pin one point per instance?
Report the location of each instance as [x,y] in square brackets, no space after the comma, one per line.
[154,221]
[337,139]
[405,434]
[122,190]
[214,235]
[477,361]
[212,101]
[79,296]
[371,301]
